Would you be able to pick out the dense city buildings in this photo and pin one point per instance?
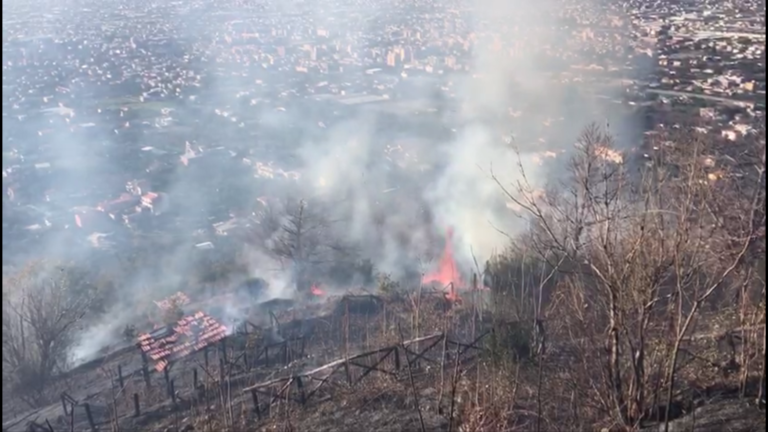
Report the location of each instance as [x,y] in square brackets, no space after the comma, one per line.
[150,98]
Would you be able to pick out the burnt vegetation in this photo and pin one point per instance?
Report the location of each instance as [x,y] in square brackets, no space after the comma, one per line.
[636,300]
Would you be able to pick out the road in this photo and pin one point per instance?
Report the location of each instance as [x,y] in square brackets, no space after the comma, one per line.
[724,100]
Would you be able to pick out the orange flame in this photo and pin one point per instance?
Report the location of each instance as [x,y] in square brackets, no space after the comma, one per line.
[315,290]
[447,273]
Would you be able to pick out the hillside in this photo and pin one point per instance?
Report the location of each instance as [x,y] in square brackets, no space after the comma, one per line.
[344,363]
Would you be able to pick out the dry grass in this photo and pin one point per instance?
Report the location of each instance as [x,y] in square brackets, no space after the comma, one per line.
[484,392]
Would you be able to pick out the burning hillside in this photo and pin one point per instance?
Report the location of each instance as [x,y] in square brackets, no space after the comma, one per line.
[447,274]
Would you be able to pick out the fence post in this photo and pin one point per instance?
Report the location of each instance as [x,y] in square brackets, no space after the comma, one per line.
[145,368]
[89,415]
[223,345]
[255,397]
[302,394]
[136,406]
[120,376]
[64,404]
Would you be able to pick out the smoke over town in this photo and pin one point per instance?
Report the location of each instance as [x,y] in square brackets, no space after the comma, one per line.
[497,215]
[179,137]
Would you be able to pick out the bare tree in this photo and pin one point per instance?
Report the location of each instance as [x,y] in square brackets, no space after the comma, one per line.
[642,254]
[300,233]
[730,219]
[43,304]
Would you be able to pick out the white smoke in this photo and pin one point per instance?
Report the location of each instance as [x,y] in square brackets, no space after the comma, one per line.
[508,78]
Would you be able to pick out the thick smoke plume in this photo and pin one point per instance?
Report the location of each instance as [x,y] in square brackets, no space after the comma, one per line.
[394,177]
[511,111]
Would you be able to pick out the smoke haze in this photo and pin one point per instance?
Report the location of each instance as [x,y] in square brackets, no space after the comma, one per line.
[393,176]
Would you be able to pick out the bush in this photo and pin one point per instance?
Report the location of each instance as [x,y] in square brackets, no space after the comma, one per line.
[510,341]
[174,313]
[43,304]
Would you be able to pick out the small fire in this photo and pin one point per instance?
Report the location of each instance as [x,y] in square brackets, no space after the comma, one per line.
[316,291]
[447,273]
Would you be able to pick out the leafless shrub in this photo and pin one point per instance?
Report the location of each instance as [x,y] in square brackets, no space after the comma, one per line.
[43,304]
[386,285]
[129,333]
[641,255]
[173,313]
[299,233]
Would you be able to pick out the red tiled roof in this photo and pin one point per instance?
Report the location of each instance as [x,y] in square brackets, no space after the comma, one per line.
[191,333]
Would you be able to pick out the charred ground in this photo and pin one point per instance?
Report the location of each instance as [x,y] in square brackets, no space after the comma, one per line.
[394,361]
